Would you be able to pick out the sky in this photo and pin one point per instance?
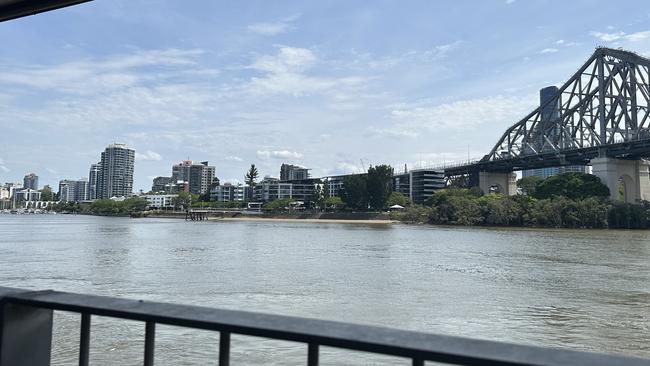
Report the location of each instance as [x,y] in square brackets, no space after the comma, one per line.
[334,86]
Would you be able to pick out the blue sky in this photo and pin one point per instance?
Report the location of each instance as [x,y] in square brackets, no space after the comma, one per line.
[322,84]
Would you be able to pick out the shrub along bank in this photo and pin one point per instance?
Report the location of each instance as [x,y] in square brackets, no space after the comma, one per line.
[571,200]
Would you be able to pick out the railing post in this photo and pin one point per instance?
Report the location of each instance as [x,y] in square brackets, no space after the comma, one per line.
[25,335]
[312,354]
[149,343]
[224,348]
[84,340]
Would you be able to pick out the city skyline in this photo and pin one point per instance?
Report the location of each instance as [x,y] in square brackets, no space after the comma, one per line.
[264,84]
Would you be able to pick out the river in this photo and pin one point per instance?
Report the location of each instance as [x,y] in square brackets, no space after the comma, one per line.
[578,289]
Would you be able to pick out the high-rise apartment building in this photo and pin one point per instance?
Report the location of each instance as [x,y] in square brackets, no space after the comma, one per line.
[293,172]
[73,190]
[198,176]
[30,181]
[160,184]
[115,176]
[93,177]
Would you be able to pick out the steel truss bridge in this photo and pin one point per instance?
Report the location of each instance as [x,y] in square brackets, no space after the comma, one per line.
[601,111]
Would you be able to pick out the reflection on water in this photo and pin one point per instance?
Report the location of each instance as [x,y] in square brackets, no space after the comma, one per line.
[578,289]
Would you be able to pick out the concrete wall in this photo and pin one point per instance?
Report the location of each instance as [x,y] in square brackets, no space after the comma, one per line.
[506,182]
[633,173]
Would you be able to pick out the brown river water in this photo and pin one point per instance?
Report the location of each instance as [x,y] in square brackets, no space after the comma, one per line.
[578,289]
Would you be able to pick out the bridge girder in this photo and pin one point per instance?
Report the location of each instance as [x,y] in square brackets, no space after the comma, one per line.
[606,103]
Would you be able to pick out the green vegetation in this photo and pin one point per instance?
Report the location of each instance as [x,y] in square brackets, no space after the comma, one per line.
[355,192]
[528,185]
[47,194]
[379,185]
[278,205]
[396,198]
[575,186]
[118,208]
[334,203]
[361,192]
[571,200]
[127,207]
[183,201]
[251,176]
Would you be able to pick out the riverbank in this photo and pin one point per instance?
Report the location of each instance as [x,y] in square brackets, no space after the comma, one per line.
[318,217]
[319,221]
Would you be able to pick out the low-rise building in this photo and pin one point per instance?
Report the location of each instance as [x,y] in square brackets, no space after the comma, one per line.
[271,189]
[419,184]
[24,196]
[230,193]
[4,193]
[334,183]
[160,201]
[73,190]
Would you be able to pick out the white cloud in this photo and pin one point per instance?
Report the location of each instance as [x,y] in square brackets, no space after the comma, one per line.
[508,2]
[548,50]
[285,73]
[442,51]
[346,168]
[278,154]
[148,156]
[288,59]
[638,36]
[393,132]
[3,167]
[616,36]
[559,41]
[233,158]
[273,28]
[93,75]
[460,115]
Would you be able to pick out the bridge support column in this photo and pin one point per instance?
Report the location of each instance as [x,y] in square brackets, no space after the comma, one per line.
[632,174]
[505,183]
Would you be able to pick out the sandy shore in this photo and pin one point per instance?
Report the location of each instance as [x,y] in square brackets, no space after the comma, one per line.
[319,221]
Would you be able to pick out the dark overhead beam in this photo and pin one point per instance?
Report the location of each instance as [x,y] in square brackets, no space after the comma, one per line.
[12,9]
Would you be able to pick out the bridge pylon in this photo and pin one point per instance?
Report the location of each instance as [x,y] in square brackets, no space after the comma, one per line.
[504,183]
[629,177]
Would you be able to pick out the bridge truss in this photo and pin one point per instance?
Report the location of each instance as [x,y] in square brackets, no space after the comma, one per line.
[602,110]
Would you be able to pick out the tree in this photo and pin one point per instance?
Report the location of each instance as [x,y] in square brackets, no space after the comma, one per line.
[134,204]
[355,191]
[46,194]
[571,185]
[334,202]
[528,185]
[380,184]
[182,201]
[279,204]
[251,176]
[319,195]
[205,197]
[397,198]
[326,190]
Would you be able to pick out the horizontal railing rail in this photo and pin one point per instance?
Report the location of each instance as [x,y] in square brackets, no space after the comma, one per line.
[26,319]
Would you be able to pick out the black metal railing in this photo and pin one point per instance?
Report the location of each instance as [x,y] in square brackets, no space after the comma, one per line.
[26,333]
